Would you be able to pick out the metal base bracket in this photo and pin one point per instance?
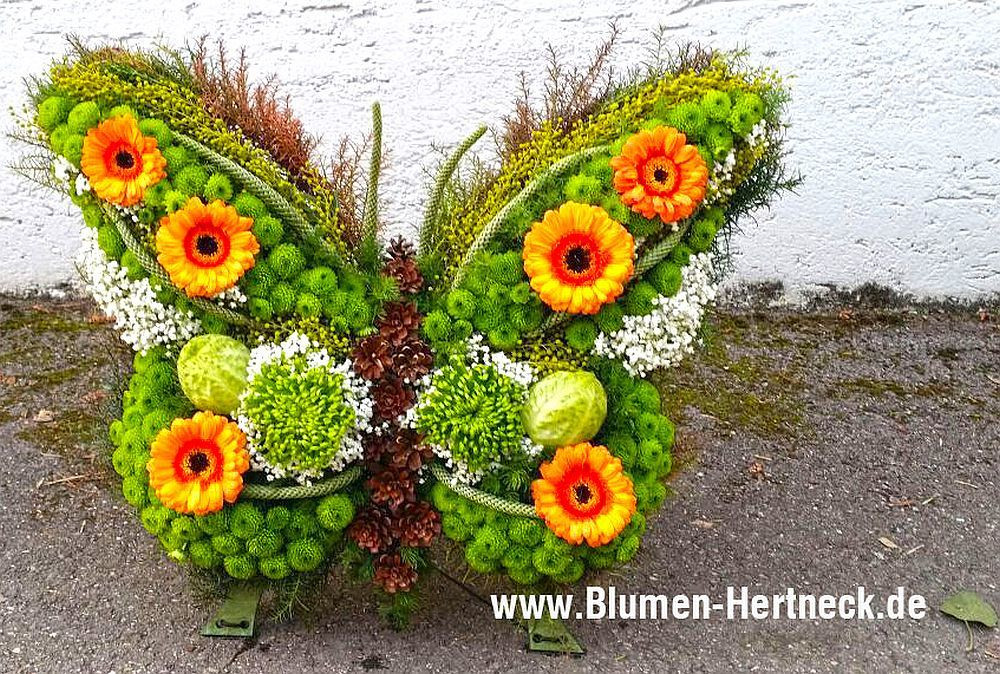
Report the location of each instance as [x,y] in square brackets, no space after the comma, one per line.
[237,615]
[549,635]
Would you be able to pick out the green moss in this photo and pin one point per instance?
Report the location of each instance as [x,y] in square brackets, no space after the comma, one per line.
[749,392]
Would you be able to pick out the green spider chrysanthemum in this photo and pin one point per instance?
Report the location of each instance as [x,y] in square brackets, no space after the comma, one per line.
[475,413]
[302,415]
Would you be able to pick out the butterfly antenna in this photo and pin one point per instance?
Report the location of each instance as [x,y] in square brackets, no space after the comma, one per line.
[371,197]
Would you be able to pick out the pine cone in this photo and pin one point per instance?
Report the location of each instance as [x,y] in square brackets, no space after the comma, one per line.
[393,574]
[391,398]
[406,274]
[408,451]
[392,487]
[372,356]
[401,248]
[400,323]
[412,360]
[402,266]
[379,449]
[417,524]
[371,530]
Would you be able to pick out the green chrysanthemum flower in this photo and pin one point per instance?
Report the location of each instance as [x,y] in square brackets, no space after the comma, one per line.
[249,206]
[227,544]
[203,555]
[461,304]
[716,105]
[218,186]
[245,520]
[638,300]
[492,542]
[155,518]
[53,111]
[275,568]
[305,554]
[524,531]
[455,527]
[268,230]
[666,278]
[277,518]
[83,116]
[475,412]
[265,544]
[689,118]
[177,158]
[301,413]
[287,261]
[156,128]
[240,567]
[335,512]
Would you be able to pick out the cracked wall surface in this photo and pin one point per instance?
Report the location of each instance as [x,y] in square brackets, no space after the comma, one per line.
[896,112]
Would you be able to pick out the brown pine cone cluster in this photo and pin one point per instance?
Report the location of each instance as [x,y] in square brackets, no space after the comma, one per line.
[394,358]
[393,574]
[402,266]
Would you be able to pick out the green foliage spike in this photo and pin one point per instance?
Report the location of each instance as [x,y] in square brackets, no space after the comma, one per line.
[428,232]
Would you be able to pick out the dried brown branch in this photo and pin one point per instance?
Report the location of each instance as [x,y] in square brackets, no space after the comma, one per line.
[346,176]
[255,109]
[569,95]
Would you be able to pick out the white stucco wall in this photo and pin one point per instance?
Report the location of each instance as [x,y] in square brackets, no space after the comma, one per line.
[896,113]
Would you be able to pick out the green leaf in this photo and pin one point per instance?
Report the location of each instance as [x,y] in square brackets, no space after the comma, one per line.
[970,607]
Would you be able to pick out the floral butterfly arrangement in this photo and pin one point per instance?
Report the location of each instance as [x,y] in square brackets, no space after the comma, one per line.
[304,395]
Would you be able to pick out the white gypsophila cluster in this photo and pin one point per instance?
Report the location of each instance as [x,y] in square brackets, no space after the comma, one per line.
[662,338]
[142,320]
[63,170]
[477,353]
[298,353]
[458,470]
[720,183]
[81,184]
[233,298]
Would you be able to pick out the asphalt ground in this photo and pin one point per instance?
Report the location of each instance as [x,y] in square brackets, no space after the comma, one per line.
[852,444]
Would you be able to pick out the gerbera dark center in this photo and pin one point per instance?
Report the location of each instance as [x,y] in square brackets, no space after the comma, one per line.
[660,175]
[207,245]
[583,494]
[198,462]
[124,159]
[578,259]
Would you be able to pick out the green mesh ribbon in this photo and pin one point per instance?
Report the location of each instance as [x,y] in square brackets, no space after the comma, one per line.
[275,203]
[154,269]
[660,250]
[530,190]
[335,483]
[481,497]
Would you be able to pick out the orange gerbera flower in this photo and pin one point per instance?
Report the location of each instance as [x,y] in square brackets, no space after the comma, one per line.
[121,163]
[578,258]
[583,495]
[658,173]
[198,463]
[206,249]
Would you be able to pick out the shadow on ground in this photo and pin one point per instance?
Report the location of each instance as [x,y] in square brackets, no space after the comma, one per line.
[819,451]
